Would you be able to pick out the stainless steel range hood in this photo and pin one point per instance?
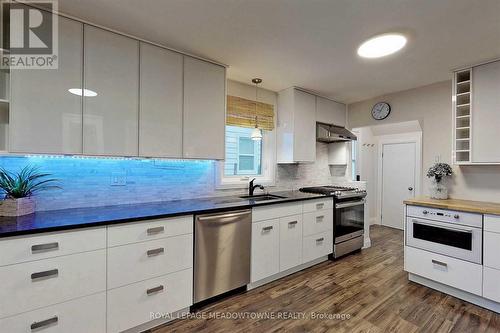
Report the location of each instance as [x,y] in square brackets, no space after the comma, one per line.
[330,133]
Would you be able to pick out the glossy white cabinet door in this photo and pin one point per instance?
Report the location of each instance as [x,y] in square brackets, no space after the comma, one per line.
[160,116]
[265,249]
[304,141]
[111,69]
[330,112]
[290,242]
[44,116]
[204,109]
[485,113]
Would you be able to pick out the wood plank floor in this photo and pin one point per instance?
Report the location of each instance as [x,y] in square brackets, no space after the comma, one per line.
[369,286]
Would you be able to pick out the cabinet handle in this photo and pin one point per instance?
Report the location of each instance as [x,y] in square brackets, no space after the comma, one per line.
[45,274]
[267,228]
[155,230]
[45,247]
[154,290]
[320,239]
[292,223]
[155,252]
[320,206]
[43,323]
[440,263]
[320,218]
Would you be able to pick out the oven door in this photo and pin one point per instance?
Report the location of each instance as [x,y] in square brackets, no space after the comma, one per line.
[349,219]
[457,241]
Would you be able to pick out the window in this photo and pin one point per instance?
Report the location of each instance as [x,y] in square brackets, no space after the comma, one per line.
[243,155]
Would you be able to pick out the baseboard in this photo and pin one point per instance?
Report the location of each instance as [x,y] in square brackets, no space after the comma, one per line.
[156,323]
[471,298]
[280,275]
[367,243]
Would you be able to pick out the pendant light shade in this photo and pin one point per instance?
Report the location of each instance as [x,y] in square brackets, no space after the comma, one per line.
[256,133]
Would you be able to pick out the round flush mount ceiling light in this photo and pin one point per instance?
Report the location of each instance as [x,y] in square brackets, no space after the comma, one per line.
[382,45]
[82,92]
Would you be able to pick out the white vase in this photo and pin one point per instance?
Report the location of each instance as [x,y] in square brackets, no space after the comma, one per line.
[439,190]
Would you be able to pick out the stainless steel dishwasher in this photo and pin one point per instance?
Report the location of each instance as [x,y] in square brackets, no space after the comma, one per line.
[221,253]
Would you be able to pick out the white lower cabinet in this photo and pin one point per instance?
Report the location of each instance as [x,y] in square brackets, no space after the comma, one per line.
[453,272]
[318,221]
[138,303]
[265,249]
[31,285]
[81,315]
[491,246]
[290,229]
[317,246]
[491,284]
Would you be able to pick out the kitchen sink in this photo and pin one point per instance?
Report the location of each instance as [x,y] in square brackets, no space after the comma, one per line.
[262,197]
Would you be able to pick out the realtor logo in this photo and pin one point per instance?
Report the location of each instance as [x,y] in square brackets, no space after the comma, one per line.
[29,35]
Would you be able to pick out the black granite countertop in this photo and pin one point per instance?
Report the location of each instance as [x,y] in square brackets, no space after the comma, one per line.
[65,219]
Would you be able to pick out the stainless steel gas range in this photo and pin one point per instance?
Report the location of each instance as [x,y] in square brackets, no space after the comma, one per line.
[349,217]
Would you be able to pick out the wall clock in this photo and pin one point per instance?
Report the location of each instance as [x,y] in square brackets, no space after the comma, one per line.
[381,110]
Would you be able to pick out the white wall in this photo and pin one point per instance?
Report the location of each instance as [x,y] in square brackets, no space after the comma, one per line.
[431,106]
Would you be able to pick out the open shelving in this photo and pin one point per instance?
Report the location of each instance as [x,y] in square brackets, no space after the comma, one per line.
[462,116]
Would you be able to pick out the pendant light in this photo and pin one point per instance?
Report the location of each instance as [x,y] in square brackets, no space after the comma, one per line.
[256,133]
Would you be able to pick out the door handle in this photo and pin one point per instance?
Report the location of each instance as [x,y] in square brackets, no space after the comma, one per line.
[155,230]
[154,290]
[45,274]
[267,228]
[410,188]
[45,247]
[39,324]
[440,263]
[155,252]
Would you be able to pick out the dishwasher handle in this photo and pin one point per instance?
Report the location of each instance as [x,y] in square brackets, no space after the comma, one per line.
[223,218]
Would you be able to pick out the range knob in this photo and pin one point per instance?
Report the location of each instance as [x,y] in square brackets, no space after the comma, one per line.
[456,216]
[425,212]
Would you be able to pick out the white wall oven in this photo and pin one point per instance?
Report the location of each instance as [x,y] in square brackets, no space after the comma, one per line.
[454,234]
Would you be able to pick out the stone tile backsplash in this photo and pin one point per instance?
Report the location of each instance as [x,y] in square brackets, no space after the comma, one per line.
[87,182]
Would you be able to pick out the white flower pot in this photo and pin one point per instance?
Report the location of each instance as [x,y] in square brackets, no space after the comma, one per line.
[438,191]
[17,207]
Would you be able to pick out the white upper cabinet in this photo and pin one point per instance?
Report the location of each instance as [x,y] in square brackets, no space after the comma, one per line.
[111,69]
[485,113]
[296,133]
[44,116]
[204,109]
[160,115]
[330,112]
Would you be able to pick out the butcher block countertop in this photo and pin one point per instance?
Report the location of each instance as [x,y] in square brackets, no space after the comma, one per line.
[457,204]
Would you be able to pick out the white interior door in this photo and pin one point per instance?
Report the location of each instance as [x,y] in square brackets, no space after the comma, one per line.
[398,181]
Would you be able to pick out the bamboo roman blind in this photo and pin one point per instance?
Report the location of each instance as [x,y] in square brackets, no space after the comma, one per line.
[241,112]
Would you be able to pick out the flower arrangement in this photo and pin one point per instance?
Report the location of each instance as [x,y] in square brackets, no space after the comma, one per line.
[439,171]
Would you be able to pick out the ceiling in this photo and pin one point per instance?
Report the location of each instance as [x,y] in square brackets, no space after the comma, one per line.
[312,43]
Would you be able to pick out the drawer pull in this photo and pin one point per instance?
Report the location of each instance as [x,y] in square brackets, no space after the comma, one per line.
[320,205]
[45,247]
[440,263]
[45,274]
[43,323]
[155,252]
[155,230]
[268,228]
[320,240]
[154,290]
[292,223]
[320,218]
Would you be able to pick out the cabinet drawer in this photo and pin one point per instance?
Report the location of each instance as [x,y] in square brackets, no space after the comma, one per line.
[290,242]
[317,246]
[149,230]
[141,261]
[318,221]
[276,211]
[492,223]
[319,204]
[491,287]
[446,270]
[265,249]
[133,305]
[36,284]
[82,315]
[20,249]
[491,249]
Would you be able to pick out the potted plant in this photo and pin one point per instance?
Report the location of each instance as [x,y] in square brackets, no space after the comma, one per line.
[438,173]
[19,189]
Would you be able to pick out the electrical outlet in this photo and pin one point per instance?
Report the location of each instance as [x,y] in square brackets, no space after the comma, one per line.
[118,179]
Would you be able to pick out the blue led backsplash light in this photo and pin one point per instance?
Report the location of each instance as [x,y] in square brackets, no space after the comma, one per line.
[92,181]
